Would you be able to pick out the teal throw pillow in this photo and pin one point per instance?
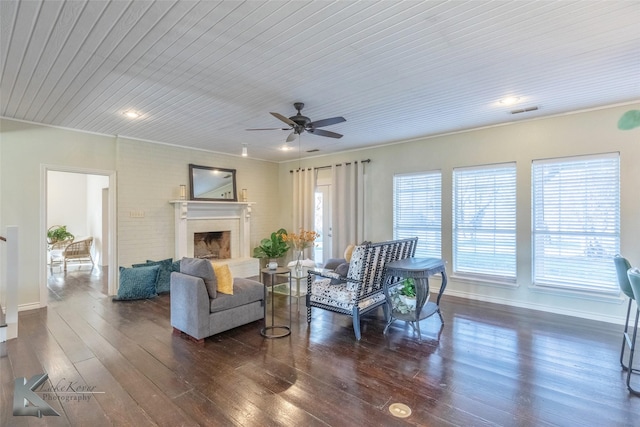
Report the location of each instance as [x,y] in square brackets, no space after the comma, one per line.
[164,275]
[137,283]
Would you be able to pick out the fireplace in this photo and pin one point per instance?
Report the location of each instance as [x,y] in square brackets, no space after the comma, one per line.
[216,230]
[212,245]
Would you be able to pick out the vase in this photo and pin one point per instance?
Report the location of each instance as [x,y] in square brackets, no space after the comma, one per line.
[298,267]
[273,264]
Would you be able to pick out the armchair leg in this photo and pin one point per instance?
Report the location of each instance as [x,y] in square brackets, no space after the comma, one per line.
[356,323]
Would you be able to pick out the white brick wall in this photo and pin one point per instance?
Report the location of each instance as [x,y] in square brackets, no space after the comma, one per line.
[150,175]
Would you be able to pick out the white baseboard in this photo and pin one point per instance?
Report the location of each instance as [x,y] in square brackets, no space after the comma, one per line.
[29,306]
[538,307]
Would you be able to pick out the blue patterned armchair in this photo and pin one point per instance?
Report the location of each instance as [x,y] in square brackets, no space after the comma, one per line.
[361,290]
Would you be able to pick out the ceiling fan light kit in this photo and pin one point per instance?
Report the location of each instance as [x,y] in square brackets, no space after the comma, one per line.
[299,124]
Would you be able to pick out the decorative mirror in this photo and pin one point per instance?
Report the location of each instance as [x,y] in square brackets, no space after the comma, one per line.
[214,184]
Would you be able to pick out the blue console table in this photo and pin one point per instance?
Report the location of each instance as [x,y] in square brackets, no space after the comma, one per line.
[419,269]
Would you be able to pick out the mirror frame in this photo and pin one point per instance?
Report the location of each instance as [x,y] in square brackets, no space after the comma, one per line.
[193,170]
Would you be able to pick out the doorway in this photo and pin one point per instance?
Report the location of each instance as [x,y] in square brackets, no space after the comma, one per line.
[83,200]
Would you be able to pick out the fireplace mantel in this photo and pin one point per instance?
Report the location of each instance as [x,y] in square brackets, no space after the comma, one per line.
[196,210]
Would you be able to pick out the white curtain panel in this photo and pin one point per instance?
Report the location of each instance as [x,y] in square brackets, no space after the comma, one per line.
[347,207]
[304,187]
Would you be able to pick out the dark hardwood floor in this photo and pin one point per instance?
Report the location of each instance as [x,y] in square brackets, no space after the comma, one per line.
[490,365]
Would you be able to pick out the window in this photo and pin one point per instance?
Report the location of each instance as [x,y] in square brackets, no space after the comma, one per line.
[417,211]
[576,222]
[484,221]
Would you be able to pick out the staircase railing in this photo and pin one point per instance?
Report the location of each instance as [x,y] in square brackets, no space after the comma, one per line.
[9,295]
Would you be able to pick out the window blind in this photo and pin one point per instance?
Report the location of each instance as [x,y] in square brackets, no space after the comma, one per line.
[576,222]
[417,210]
[484,220]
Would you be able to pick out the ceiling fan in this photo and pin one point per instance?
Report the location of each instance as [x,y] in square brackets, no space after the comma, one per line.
[299,123]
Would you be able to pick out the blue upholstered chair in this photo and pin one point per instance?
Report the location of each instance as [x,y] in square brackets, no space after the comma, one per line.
[622,266]
[634,281]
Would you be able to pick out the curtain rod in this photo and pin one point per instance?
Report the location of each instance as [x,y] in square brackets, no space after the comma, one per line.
[339,164]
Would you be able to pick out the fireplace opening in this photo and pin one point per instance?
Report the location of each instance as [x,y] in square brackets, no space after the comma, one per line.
[212,245]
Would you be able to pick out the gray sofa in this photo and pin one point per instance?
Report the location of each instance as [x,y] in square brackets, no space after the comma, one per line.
[199,311]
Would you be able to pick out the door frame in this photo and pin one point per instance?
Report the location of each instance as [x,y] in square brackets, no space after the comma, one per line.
[112,244]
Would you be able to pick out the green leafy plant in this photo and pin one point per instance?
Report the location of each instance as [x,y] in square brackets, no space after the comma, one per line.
[273,247]
[408,288]
[58,233]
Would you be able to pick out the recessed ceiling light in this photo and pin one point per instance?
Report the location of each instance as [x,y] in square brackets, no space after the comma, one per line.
[131,114]
[510,100]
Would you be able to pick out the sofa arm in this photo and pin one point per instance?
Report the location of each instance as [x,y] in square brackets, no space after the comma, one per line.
[190,305]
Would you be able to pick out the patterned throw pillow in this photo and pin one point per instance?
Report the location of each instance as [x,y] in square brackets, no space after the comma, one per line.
[137,283]
[164,275]
[224,277]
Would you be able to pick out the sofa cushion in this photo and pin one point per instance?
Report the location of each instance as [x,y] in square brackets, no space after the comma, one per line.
[333,263]
[245,292]
[163,284]
[341,270]
[201,268]
[224,278]
[137,283]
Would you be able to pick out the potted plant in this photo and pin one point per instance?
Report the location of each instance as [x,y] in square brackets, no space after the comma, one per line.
[408,293]
[57,234]
[273,247]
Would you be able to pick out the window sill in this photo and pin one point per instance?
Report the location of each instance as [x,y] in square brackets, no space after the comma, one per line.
[484,280]
[609,297]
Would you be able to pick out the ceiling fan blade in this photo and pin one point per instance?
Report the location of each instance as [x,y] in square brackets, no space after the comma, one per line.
[327,122]
[284,119]
[270,129]
[321,132]
[292,136]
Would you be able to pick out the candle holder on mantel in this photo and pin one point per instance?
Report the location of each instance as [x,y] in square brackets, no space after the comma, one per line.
[243,195]
[183,192]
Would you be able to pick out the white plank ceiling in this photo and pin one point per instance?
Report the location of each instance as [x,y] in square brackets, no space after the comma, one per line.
[202,72]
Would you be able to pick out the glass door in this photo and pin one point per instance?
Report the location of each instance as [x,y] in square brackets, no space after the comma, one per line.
[322,249]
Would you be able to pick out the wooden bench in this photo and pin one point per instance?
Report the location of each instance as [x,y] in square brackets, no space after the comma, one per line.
[362,290]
